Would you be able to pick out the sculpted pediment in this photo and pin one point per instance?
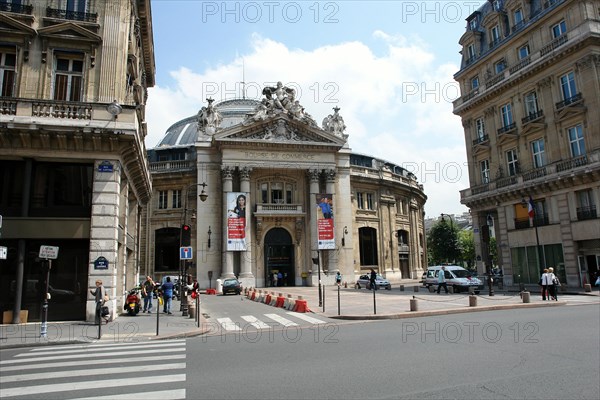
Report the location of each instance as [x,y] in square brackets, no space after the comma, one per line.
[69,30]
[278,129]
[12,26]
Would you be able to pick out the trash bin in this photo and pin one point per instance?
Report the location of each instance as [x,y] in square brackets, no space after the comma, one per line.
[219,286]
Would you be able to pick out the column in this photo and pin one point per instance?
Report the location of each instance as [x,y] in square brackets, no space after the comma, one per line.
[227,260]
[332,259]
[246,259]
[313,176]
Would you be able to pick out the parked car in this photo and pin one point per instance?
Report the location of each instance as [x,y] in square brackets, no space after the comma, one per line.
[380,282]
[457,277]
[232,285]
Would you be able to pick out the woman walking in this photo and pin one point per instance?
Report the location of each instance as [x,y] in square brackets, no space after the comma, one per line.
[100,296]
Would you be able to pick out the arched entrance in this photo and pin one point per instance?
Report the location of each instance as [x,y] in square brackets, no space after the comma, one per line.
[279,257]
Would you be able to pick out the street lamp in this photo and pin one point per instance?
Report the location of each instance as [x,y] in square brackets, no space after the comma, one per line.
[540,255]
[183,270]
[488,259]
[344,233]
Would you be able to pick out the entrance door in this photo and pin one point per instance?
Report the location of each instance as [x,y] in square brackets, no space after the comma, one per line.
[592,267]
[279,257]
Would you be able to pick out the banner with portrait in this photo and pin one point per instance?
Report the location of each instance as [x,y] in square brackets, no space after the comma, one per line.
[236,221]
[326,238]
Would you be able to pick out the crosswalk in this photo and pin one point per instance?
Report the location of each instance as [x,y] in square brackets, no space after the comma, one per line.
[267,321]
[149,370]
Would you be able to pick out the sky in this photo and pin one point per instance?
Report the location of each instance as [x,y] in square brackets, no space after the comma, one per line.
[388,66]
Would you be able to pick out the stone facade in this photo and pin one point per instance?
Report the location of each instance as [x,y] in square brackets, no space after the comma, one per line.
[529,82]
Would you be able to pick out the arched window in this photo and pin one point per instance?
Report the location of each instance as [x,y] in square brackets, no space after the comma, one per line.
[368,246]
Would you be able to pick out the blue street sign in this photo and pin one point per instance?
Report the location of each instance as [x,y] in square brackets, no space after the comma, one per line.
[185,253]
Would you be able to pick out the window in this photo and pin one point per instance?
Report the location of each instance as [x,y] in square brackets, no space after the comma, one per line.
[7,71]
[576,141]
[537,151]
[277,193]
[497,5]
[506,113]
[68,76]
[474,82]
[485,171]
[162,199]
[518,17]
[367,242]
[531,104]
[370,204]
[523,52]
[360,200]
[473,24]
[471,52]
[499,66]
[567,85]
[495,34]
[75,5]
[586,207]
[176,198]
[512,162]
[559,29]
[480,126]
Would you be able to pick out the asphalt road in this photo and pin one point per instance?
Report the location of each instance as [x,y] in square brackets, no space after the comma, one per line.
[550,353]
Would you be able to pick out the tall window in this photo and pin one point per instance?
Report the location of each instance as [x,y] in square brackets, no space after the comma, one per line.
[177,198]
[277,192]
[506,113]
[559,29]
[162,199]
[370,202]
[512,162]
[567,85]
[474,82]
[75,5]
[586,207]
[367,242]
[523,52]
[360,200]
[485,171]
[68,76]
[480,126]
[518,17]
[499,66]
[531,103]
[7,71]
[576,141]
[538,153]
[495,35]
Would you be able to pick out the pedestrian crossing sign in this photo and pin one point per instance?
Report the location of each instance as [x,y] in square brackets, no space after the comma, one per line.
[185,253]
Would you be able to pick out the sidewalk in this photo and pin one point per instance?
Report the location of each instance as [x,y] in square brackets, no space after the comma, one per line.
[354,304]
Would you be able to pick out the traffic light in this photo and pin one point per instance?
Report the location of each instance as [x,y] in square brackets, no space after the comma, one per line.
[186,235]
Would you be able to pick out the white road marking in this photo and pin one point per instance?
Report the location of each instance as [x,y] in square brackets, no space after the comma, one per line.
[228,324]
[307,318]
[255,322]
[279,319]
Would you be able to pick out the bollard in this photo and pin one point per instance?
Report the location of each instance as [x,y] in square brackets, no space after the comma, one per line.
[431,289]
[416,288]
[587,287]
[451,289]
[472,301]
[192,309]
[414,305]
[402,288]
[526,297]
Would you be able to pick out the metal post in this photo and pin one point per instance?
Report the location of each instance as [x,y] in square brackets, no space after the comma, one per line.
[157,312]
[338,299]
[44,326]
[198,309]
[319,276]
[374,302]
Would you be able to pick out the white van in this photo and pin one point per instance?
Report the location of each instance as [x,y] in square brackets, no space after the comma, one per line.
[457,277]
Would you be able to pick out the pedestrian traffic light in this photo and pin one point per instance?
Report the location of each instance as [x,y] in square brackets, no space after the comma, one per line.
[186,235]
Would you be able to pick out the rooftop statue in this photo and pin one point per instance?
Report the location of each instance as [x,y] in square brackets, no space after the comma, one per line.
[335,123]
[209,118]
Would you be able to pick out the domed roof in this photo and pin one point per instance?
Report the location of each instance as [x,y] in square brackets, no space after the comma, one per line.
[185,132]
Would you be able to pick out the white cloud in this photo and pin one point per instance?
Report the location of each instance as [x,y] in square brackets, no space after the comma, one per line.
[397,106]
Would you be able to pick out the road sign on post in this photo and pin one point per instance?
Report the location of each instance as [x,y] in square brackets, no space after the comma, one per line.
[185,253]
[49,252]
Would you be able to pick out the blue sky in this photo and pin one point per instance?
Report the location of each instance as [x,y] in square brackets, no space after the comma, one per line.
[388,65]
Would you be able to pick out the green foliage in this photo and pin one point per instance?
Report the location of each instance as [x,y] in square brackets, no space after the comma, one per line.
[493,251]
[442,243]
[466,242]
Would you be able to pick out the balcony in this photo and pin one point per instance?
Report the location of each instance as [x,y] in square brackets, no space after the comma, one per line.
[8,106]
[584,213]
[403,249]
[512,128]
[518,26]
[279,209]
[61,109]
[172,166]
[555,44]
[572,163]
[71,15]
[538,220]
[481,140]
[16,8]
[520,65]
[573,100]
[532,117]
[534,174]
[495,79]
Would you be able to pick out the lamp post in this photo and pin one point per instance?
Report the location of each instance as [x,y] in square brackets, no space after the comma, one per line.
[453,248]
[489,223]
[203,196]
[540,254]
[344,233]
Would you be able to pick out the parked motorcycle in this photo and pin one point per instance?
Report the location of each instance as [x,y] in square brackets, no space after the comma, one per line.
[133,303]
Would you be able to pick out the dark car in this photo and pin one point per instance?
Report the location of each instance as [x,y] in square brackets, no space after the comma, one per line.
[232,285]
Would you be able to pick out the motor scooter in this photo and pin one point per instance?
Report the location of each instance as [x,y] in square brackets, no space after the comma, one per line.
[132,303]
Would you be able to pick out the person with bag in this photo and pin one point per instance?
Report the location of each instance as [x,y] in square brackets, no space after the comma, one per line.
[167,289]
[554,284]
[147,293]
[101,297]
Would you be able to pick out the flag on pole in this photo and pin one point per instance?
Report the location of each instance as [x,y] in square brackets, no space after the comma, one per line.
[531,208]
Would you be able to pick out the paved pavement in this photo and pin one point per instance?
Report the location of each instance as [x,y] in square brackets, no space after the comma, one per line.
[413,301]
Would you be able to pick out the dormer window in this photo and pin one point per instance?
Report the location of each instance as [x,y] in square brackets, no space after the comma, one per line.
[499,66]
[473,24]
[559,29]
[518,17]
[474,82]
[497,5]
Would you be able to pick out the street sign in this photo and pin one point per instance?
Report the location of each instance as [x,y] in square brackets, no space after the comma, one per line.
[49,252]
[3,252]
[101,263]
[185,253]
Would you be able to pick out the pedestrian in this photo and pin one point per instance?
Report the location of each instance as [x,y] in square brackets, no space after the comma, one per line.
[274,279]
[279,279]
[545,283]
[147,292]
[442,280]
[338,278]
[167,289]
[554,284]
[373,279]
[100,297]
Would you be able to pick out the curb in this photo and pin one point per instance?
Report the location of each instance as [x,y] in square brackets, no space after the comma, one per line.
[413,314]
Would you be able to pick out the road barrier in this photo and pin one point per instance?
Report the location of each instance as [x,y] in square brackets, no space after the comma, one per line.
[414,304]
[301,305]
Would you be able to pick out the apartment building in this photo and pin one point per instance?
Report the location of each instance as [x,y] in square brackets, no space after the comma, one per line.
[530,95]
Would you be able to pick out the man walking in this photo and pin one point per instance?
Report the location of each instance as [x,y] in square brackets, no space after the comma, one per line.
[167,289]
[147,293]
[442,280]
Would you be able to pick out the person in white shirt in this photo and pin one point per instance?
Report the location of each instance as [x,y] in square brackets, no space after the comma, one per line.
[547,281]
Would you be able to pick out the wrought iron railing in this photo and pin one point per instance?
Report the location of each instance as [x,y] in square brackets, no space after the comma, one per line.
[538,220]
[567,102]
[584,213]
[532,117]
[507,128]
[16,8]
[71,15]
[481,139]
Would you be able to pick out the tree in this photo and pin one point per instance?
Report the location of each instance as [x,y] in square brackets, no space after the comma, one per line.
[493,251]
[442,243]
[466,242]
